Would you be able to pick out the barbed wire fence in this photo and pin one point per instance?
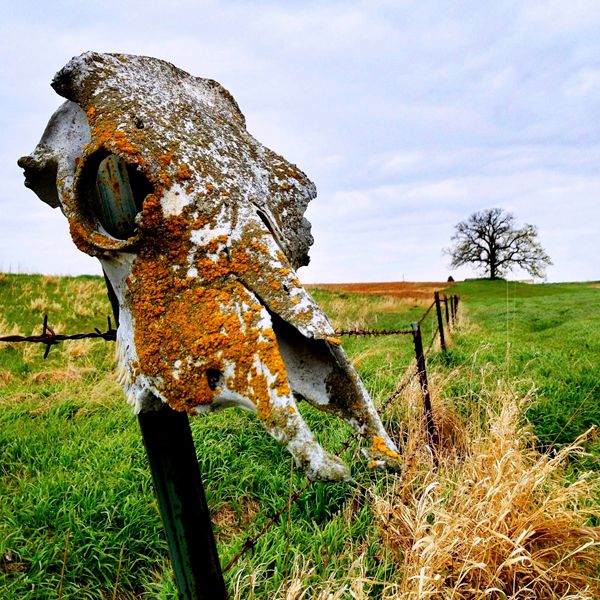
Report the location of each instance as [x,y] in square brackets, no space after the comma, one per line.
[446,311]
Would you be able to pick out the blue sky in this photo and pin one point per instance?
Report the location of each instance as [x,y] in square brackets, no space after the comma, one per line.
[409,116]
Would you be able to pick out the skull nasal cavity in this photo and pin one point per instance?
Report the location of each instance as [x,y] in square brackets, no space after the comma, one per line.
[119,193]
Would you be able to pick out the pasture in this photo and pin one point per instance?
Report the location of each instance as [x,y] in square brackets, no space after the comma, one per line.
[511,512]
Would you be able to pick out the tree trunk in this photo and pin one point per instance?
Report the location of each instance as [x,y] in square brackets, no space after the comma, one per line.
[493,266]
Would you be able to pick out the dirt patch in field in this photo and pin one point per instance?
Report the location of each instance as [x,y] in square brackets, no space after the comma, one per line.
[400,289]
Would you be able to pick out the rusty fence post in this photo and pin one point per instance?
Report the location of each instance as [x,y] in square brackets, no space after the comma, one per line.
[432,433]
[440,320]
[181,499]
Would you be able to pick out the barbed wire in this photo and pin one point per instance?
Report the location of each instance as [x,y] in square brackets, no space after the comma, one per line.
[50,338]
[426,314]
[373,332]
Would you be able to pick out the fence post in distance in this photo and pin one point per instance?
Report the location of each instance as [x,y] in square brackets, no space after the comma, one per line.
[447,311]
[440,320]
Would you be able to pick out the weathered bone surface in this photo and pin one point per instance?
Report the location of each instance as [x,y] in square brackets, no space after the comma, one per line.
[199,229]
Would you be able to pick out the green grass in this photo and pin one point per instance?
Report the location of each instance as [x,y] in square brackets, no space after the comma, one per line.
[546,336]
[77,505]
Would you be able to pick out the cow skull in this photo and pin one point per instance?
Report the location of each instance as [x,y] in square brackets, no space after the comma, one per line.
[199,229]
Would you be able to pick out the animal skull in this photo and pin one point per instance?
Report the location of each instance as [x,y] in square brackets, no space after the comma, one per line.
[199,229]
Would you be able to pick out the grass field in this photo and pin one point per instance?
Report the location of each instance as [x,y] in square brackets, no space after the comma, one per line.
[544,336]
[511,512]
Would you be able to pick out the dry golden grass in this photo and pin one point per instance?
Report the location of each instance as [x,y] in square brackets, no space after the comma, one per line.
[32,352]
[50,281]
[363,315]
[68,374]
[78,348]
[496,520]
[7,329]
[351,584]
[44,305]
[87,298]
[232,522]
[5,377]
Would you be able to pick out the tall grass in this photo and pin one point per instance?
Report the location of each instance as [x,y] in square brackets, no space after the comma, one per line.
[496,518]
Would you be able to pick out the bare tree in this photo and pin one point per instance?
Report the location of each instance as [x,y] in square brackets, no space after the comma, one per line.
[490,240]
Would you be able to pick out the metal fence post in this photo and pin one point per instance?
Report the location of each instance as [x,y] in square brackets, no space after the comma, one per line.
[181,499]
[446,310]
[432,433]
[438,310]
[182,502]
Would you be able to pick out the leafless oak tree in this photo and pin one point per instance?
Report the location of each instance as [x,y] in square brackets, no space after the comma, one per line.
[490,240]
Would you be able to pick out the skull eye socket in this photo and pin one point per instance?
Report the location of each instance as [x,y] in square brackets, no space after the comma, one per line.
[117,196]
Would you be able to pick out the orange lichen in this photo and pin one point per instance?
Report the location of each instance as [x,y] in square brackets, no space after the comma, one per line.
[91,113]
[335,341]
[379,446]
[165,159]
[200,334]
[90,241]
[183,172]
[105,133]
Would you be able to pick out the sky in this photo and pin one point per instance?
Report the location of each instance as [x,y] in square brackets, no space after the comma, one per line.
[407,115]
